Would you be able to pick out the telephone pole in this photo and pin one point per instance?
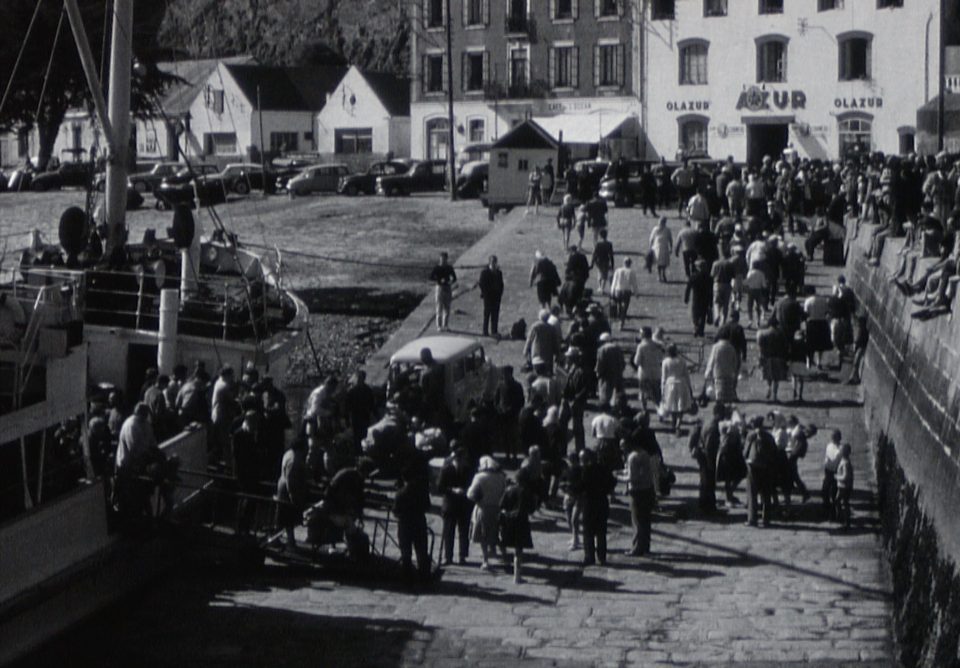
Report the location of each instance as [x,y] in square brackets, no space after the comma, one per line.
[451,154]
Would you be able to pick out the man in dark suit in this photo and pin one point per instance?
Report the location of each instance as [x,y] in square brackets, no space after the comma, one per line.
[491,292]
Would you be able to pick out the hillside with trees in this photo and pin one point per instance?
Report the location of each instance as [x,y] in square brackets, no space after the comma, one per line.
[371,34]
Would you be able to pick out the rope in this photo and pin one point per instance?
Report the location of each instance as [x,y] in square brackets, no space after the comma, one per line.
[16,64]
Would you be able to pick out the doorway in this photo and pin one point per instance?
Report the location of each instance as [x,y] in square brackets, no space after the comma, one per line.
[140,357]
[766,139]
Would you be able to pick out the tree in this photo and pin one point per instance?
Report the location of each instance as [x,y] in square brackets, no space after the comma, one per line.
[41,101]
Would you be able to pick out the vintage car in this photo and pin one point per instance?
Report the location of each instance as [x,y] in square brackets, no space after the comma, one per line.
[423,176]
[468,375]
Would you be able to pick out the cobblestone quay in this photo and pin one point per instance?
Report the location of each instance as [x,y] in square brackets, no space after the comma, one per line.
[714,592]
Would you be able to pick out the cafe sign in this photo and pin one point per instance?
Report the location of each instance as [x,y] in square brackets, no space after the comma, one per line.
[755,98]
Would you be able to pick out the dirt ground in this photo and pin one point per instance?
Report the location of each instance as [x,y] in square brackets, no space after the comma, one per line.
[375,255]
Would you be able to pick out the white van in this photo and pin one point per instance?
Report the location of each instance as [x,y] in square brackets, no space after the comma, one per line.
[467,373]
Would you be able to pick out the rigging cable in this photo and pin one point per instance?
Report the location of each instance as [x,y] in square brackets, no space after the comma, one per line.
[16,64]
[46,76]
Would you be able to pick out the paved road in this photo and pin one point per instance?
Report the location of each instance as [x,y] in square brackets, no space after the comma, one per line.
[714,593]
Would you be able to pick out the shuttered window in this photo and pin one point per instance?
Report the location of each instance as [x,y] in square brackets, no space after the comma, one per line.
[608,65]
[564,67]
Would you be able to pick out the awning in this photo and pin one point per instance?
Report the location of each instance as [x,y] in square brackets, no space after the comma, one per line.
[583,128]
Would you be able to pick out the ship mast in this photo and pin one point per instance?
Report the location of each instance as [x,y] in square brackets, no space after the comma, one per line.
[115,119]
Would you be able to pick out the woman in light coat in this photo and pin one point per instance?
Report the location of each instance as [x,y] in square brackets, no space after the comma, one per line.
[661,243]
[486,490]
[675,387]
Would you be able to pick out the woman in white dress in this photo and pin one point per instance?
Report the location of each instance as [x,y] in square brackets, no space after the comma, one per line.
[675,387]
[661,245]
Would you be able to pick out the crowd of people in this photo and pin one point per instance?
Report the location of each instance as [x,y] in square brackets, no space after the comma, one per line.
[743,252]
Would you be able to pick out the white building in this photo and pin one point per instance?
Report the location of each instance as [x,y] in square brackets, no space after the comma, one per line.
[749,77]
[367,115]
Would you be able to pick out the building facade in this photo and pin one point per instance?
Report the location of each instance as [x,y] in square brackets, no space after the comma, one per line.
[366,116]
[516,59]
[747,78]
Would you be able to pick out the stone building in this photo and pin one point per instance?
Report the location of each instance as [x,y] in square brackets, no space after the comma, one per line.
[517,59]
[749,78]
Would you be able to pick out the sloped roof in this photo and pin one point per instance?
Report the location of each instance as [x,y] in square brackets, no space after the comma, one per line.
[582,128]
[194,73]
[951,102]
[276,90]
[315,83]
[393,91]
[527,135]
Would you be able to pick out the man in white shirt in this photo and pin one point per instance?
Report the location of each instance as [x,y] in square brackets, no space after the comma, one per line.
[622,287]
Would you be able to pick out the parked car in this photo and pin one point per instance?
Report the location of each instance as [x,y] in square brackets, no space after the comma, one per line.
[243,177]
[287,168]
[473,153]
[366,183]
[467,374]
[76,174]
[317,179]
[180,190]
[626,191]
[472,181]
[590,173]
[421,177]
[145,182]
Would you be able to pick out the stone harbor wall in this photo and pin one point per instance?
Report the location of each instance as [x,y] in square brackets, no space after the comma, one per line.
[912,410]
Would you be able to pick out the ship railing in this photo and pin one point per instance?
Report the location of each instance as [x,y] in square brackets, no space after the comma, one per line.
[215,307]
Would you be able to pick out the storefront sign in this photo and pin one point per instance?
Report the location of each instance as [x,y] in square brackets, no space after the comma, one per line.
[858,102]
[569,106]
[755,98]
[723,130]
[689,105]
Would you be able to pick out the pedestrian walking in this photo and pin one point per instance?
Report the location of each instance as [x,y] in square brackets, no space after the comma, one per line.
[534,191]
[603,260]
[575,394]
[445,279]
[609,370]
[455,510]
[491,292]
[661,245]
[675,387]
[648,362]
[831,462]
[486,490]
[545,276]
[598,483]
[566,219]
[410,506]
[641,486]
[760,454]
[622,289]
[772,344]
[844,486]
[723,370]
[516,505]
[698,295]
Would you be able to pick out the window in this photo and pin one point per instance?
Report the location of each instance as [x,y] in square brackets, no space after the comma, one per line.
[353,140]
[854,57]
[476,130]
[693,64]
[771,60]
[663,10]
[476,12]
[517,16]
[284,141]
[438,139]
[771,6]
[519,62]
[607,7]
[714,7]
[693,136]
[213,99]
[150,143]
[564,67]
[220,143]
[854,135]
[475,66]
[608,65]
[883,4]
[433,73]
[435,13]
[827,5]
[523,165]
[564,9]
